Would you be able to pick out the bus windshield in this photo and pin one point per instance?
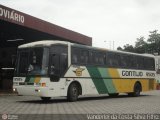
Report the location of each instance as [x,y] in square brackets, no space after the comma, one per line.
[32,61]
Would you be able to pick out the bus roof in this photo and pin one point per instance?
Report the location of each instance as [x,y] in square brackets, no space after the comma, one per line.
[44,43]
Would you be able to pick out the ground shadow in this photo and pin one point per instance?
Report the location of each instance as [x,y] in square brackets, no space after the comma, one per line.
[81,99]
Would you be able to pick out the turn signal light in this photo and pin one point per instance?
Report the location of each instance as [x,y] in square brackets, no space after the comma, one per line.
[43,84]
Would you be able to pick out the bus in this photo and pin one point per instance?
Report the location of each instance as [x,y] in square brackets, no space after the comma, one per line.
[53,68]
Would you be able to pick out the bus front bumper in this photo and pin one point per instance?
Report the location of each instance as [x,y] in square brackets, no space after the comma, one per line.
[32,91]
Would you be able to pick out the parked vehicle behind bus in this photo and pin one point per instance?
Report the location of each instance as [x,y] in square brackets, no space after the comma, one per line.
[56,68]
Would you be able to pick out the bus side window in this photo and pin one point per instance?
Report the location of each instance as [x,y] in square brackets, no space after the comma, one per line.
[63,64]
[101,58]
[84,57]
[140,63]
[152,64]
[109,60]
[128,61]
[149,64]
[133,63]
[75,57]
[117,60]
[94,58]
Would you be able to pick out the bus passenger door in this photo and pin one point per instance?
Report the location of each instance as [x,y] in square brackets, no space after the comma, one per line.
[58,67]
[55,68]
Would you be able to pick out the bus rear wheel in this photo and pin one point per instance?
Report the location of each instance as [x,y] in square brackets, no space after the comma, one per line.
[73,92]
[137,90]
[45,99]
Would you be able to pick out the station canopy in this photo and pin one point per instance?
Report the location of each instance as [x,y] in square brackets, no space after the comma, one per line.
[18,28]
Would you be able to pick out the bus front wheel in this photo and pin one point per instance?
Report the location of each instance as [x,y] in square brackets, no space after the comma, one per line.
[73,92]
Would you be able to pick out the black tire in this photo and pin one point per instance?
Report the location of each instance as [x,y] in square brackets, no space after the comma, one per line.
[137,90]
[73,92]
[113,94]
[45,99]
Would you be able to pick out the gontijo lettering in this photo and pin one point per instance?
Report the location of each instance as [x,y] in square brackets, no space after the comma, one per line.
[132,73]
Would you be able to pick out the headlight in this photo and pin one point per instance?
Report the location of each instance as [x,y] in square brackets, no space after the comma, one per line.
[37,90]
[14,90]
